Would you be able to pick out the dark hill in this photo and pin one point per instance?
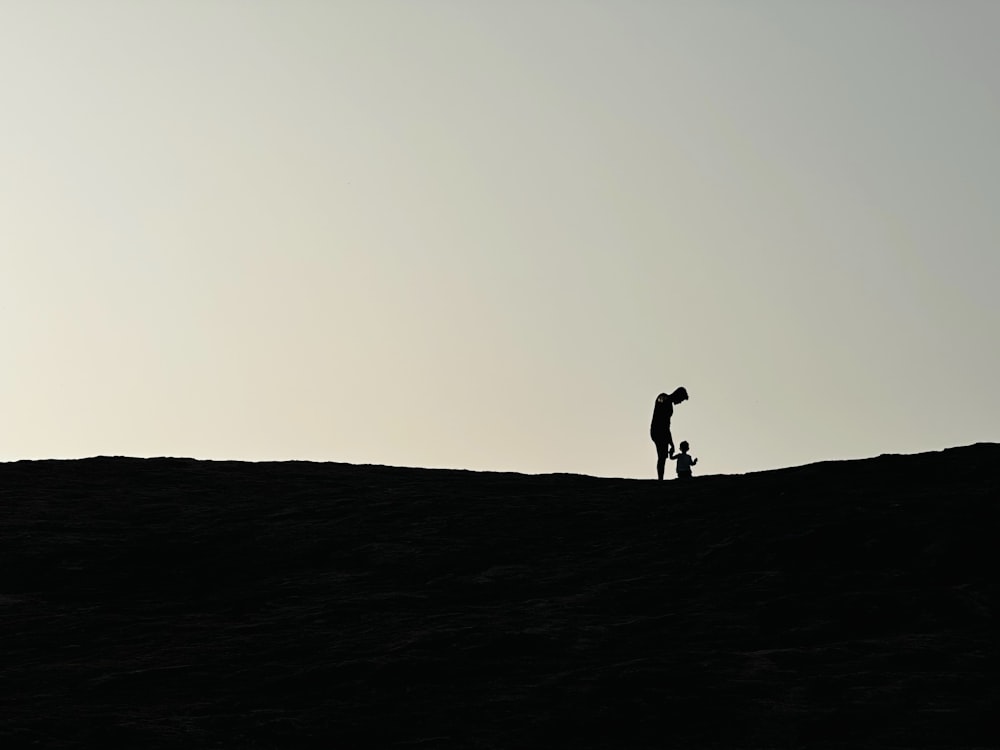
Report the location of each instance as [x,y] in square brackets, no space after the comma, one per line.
[172,603]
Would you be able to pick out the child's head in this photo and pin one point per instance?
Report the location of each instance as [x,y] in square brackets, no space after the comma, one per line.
[684,446]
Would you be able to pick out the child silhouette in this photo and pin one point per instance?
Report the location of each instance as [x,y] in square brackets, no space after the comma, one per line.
[684,461]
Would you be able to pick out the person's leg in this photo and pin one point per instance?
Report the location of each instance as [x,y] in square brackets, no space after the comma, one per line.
[661,457]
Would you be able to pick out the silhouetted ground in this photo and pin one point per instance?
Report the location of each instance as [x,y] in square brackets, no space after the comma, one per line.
[173,603]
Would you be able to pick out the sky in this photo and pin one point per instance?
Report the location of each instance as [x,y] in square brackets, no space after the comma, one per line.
[485,235]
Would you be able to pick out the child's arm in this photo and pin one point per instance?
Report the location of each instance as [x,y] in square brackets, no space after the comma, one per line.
[694,461]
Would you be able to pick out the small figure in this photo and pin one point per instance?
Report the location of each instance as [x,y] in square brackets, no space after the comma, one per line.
[684,461]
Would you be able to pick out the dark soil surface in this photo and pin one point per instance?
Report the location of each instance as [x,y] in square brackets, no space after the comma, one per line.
[174,603]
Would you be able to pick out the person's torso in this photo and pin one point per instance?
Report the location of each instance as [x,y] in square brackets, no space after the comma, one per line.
[683,462]
[662,412]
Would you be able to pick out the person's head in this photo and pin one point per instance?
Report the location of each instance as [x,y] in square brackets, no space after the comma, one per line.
[684,446]
[679,395]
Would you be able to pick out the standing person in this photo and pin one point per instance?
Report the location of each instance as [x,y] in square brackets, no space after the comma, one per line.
[659,430]
[684,461]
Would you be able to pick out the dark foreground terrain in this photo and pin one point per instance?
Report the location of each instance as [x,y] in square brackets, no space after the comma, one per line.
[173,603]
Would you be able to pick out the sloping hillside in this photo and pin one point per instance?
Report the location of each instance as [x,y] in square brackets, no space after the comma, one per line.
[174,603]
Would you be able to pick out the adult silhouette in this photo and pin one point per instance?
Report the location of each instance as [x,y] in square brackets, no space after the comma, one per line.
[659,430]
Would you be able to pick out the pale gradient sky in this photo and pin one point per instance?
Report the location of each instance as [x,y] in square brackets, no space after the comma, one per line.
[484,235]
